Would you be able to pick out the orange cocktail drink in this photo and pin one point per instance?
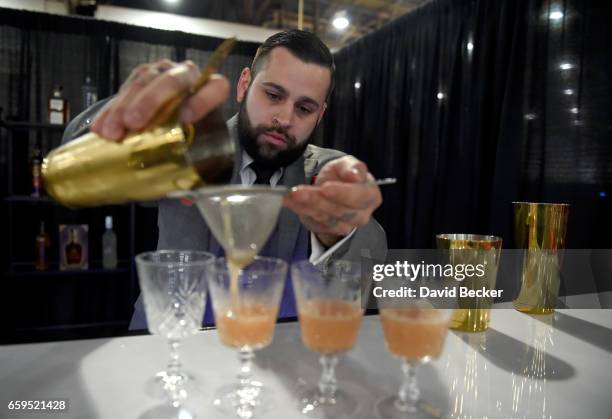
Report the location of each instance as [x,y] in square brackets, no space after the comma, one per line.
[413,333]
[246,325]
[329,325]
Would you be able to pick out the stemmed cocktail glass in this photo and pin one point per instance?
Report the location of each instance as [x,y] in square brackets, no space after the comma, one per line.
[329,309]
[245,304]
[174,285]
[415,333]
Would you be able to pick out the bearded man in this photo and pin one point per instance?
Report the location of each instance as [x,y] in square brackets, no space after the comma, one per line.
[283,97]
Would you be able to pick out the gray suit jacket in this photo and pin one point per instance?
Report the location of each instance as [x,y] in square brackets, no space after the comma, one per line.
[183,227]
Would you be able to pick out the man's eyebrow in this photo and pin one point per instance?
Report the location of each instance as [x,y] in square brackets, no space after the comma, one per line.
[278,87]
[284,92]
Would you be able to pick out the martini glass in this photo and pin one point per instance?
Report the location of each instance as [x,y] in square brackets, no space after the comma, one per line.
[245,321]
[240,217]
[329,309]
[173,285]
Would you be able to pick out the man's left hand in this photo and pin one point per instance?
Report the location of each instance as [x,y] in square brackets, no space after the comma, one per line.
[343,197]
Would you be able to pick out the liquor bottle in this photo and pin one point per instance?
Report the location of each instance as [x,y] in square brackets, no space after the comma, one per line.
[109,245]
[59,110]
[74,250]
[36,173]
[42,245]
[90,93]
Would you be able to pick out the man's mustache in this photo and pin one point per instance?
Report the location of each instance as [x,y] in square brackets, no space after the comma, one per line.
[289,139]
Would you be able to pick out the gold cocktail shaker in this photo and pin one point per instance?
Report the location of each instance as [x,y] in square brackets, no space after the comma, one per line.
[146,165]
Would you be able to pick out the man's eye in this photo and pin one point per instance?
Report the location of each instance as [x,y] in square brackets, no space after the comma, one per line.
[273,95]
[305,110]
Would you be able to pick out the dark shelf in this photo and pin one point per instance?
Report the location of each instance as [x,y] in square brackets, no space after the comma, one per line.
[65,304]
[30,199]
[21,269]
[20,125]
[27,199]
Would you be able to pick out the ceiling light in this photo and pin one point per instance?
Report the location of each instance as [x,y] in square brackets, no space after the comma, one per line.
[566,66]
[357,85]
[470,46]
[440,95]
[340,23]
[574,110]
[171,1]
[556,15]
[568,92]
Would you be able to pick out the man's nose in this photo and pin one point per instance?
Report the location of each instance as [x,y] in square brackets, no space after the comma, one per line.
[284,116]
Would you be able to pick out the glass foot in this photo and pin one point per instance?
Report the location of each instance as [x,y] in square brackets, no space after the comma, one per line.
[172,387]
[313,404]
[167,412]
[391,408]
[244,401]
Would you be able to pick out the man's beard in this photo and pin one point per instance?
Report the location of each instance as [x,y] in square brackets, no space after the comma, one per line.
[267,155]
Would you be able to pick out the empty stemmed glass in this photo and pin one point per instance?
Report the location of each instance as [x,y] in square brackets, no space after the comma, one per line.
[245,305]
[330,312]
[415,333]
[173,285]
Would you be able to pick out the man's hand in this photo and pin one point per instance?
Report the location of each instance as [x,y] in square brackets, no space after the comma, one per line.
[342,198]
[148,88]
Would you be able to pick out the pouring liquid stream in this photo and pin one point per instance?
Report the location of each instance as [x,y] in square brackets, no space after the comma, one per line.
[236,258]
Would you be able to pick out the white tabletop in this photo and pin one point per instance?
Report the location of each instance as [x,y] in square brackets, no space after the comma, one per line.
[522,367]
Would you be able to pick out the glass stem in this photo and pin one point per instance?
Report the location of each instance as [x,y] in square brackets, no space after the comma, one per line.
[327,383]
[245,356]
[409,393]
[174,363]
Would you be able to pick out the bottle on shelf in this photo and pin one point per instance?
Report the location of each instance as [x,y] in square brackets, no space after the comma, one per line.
[42,244]
[90,93]
[35,169]
[74,250]
[59,110]
[109,245]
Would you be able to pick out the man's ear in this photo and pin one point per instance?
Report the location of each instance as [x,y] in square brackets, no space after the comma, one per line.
[243,84]
[323,109]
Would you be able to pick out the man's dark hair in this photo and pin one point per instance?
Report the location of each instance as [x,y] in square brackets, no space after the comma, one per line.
[304,45]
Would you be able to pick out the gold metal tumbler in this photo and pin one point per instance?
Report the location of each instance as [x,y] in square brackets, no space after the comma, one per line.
[540,230]
[473,313]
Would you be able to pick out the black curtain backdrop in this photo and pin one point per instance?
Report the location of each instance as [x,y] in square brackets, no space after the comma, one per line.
[473,104]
